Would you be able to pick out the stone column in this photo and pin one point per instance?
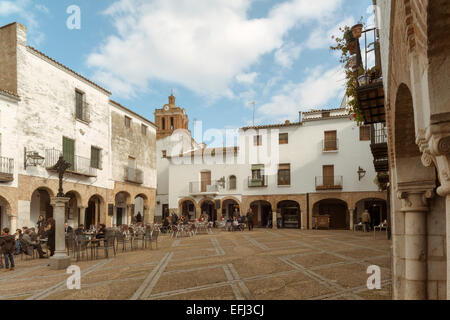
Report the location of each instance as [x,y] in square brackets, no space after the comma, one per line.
[434,142]
[12,224]
[415,207]
[82,215]
[60,259]
[274,220]
[352,215]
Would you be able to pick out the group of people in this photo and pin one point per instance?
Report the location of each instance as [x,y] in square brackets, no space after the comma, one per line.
[26,240]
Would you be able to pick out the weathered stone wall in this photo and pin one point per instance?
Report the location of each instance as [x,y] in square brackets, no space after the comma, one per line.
[8,56]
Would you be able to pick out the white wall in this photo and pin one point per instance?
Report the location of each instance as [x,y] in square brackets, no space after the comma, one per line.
[8,134]
[383,19]
[304,153]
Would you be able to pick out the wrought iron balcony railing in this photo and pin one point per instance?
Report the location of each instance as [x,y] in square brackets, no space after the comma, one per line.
[257,182]
[6,169]
[80,165]
[329,183]
[134,175]
[198,187]
[330,145]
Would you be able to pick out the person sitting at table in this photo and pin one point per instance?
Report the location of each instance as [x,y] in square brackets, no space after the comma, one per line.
[29,244]
[101,232]
[79,230]
[67,228]
[18,237]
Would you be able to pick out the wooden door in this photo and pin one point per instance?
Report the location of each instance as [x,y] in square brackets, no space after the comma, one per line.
[330,141]
[328,175]
[205,181]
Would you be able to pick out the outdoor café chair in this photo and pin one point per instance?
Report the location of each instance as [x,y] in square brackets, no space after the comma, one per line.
[154,238]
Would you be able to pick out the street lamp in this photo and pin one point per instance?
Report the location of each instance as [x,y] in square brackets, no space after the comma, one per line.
[32,159]
[361,173]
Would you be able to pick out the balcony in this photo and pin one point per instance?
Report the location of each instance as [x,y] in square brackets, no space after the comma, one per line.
[379,147]
[330,145]
[134,175]
[329,183]
[204,188]
[80,165]
[369,87]
[6,169]
[259,182]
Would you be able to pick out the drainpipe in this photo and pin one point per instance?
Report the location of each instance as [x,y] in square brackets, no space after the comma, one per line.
[307,211]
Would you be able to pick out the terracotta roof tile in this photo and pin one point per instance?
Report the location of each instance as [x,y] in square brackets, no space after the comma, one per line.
[7,92]
[68,69]
[132,112]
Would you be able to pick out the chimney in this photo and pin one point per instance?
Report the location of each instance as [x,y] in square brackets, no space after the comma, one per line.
[12,37]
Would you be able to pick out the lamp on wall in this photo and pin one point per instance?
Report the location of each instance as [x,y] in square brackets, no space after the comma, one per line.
[32,159]
[361,173]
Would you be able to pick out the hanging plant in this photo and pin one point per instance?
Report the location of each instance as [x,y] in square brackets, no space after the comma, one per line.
[347,45]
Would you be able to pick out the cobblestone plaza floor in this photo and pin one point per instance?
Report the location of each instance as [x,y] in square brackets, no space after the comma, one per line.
[261,265]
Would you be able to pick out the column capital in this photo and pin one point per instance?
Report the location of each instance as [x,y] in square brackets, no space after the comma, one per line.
[59,201]
[434,143]
[415,199]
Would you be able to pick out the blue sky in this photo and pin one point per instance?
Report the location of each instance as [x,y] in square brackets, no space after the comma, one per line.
[217,56]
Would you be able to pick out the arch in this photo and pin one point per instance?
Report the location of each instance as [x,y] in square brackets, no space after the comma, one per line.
[207,206]
[187,199]
[72,207]
[289,213]
[141,207]
[5,213]
[262,212]
[40,204]
[229,205]
[407,155]
[95,211]
[358,197]
[377,208]
[336,209]
[185,209]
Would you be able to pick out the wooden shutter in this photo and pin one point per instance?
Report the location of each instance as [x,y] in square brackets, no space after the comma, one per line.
[69,151]
[95,157]
[284,138]
[330,143]
[284,174]
[79,105]
[364,133]
[328,175]
[205,180]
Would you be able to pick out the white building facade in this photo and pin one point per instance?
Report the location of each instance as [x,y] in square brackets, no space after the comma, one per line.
[48,110]
[293,172]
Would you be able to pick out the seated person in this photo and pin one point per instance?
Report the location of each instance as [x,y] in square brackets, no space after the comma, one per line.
[80,230]
[31,241]
[235,223]
[101,232]
[67,228]
[18,237]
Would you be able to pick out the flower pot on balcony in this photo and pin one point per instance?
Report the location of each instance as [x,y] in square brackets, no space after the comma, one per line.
[357,31]
[363,80]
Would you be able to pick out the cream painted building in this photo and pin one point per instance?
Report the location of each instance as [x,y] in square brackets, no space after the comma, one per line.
[48,110]
[319,166]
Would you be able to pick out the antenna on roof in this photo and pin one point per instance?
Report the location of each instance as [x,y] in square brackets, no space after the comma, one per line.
[254,105]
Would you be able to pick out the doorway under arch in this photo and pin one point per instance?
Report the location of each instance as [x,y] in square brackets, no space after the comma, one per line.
[5,210]
[40,205]
[262,213]
[208,207]
[290,214]
[336,209]
[230,208]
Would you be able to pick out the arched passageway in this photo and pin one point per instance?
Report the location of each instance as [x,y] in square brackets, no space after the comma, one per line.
[289,214]
[262,213]
[336,210]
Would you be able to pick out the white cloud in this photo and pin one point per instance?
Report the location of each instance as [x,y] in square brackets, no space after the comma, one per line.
[317,90]
[202,45]
[247,78]
[321,37]
[287,54]
[22,9]
[42,8]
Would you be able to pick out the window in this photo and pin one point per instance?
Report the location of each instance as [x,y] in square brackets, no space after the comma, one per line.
[144,130]
[330,141]
[257,171]
[95,158]
[284,175]
[283,138]
[364,133]
[80,112]
[163,123]
[257,140]
[232,181]
[127,122]
[171,123]
[69,151]
[164,154]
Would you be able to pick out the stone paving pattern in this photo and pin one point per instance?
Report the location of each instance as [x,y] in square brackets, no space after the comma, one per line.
[260,265]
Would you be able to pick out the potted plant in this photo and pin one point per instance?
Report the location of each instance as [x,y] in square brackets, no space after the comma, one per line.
[357,30]
[352,43]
